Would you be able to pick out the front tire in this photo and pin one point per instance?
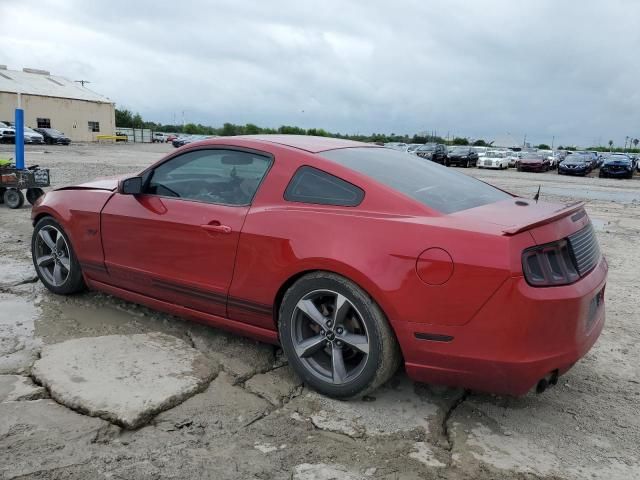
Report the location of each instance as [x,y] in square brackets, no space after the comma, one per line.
[336,337]
[54,258]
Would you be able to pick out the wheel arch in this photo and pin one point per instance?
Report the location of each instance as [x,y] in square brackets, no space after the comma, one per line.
[292,279]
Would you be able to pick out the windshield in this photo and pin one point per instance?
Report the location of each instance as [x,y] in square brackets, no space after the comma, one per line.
[433,185]
[496,154]
[427,148]
[460,151]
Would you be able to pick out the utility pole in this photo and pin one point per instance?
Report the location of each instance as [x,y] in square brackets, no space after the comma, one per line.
[553,139]
[82,82]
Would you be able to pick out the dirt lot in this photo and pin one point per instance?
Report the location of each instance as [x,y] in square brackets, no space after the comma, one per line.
[253,419]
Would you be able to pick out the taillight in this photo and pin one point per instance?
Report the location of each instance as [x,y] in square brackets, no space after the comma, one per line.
[549,265]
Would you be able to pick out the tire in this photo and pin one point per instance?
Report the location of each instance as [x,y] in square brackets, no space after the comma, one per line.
[34,194]
[2,190]
[62,259]
[363,323]
[13,198]
[519,169]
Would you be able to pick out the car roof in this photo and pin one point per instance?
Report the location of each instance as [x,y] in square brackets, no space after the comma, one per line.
[307,143]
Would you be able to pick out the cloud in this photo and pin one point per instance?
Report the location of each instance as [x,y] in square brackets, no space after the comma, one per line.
[539,67]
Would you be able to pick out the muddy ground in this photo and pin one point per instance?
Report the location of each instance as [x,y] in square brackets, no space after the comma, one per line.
[253,418]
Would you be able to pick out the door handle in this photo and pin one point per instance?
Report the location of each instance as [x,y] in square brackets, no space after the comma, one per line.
[216,228]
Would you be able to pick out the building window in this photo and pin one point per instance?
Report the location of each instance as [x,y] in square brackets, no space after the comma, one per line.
[94,126]
[43,123]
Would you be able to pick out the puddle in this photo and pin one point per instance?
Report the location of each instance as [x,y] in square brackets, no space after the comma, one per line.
[69,319]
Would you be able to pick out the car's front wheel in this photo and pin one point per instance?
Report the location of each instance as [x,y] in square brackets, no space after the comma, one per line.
[336,337]
[54,259]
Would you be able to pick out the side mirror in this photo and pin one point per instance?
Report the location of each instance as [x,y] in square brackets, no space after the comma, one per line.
[130,186]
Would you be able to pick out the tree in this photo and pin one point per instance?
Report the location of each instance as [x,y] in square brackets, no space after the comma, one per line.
[544,146]
[124,118]
[479,143]
[610,144]
[635,142]
[460,141]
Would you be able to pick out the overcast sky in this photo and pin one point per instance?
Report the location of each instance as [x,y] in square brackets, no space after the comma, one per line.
[569,69]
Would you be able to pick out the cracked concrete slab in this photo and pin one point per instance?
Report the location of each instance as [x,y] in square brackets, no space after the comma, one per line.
[276,386]
[525,436]
[394,409]
[15,388]
[18,347]
[123,379]
[322,471]
[222,406]
[239,356]
[42,435]
[15,273]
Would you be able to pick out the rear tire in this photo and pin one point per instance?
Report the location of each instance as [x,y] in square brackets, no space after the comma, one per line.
[336,337]
[54,258]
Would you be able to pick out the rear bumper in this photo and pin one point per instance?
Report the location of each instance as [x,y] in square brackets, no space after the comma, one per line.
[521,335]
[531,168]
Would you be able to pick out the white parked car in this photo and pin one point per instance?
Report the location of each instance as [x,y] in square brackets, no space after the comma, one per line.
[397,146]
[31,136]
[159,137]
[481,151]
[513,158]
[494,159]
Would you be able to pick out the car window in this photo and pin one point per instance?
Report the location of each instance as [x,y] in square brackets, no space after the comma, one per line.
[226,177]
[433,185]
[310,185]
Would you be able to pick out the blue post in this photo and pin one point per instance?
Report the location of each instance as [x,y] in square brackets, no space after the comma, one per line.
[19,126]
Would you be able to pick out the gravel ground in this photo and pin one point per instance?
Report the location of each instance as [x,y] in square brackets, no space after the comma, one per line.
[255,419]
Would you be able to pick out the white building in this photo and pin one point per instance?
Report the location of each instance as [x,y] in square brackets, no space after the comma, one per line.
[56,102]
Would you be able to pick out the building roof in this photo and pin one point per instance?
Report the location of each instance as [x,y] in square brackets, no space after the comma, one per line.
[39,82]
[305,142]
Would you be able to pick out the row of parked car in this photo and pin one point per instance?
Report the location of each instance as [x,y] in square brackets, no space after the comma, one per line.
[36,136]
[620,165]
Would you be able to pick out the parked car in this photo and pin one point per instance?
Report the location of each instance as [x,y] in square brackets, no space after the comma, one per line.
[181,141]
[396,146]
[33,137]
[159,137]
[481,151]
[494,159]
[619,166]
[171,137]
[7,133]
[263,236]
[462,157]
[412,147]
[575,164]
[53,136]
[436,152]
[533,162]
[513,158]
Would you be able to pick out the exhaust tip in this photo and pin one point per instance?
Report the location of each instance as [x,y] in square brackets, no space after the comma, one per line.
[542,385]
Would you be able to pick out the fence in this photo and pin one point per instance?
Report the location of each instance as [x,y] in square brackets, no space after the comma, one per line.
[136,135]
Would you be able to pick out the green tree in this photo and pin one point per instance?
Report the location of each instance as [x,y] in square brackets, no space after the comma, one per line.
[635,142]
[251,129]
[543,146]
[479,143]
[460,141]
[610,144]
[124,118]
[190,128]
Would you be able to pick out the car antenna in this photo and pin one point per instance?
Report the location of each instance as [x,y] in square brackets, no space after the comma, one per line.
[537,194]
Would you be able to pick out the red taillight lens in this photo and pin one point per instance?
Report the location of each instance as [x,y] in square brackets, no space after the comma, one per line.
[549,265]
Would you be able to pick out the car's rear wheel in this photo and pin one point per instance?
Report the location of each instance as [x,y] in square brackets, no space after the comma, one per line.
[336,337]
[54,259]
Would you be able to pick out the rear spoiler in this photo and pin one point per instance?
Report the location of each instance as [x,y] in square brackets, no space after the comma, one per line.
[563,212]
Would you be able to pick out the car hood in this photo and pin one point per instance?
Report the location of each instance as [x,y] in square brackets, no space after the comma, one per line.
[626,163]
[108,183]
[574,162]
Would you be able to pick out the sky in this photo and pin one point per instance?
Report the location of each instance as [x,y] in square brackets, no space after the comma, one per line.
[561,70]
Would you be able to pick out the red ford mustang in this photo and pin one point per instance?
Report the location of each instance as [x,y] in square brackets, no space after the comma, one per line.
[353,257]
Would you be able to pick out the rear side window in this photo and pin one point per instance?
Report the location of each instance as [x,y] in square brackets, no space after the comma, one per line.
[438,187]
[310,185]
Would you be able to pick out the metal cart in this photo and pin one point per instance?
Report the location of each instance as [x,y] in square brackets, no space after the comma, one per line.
[13,181]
